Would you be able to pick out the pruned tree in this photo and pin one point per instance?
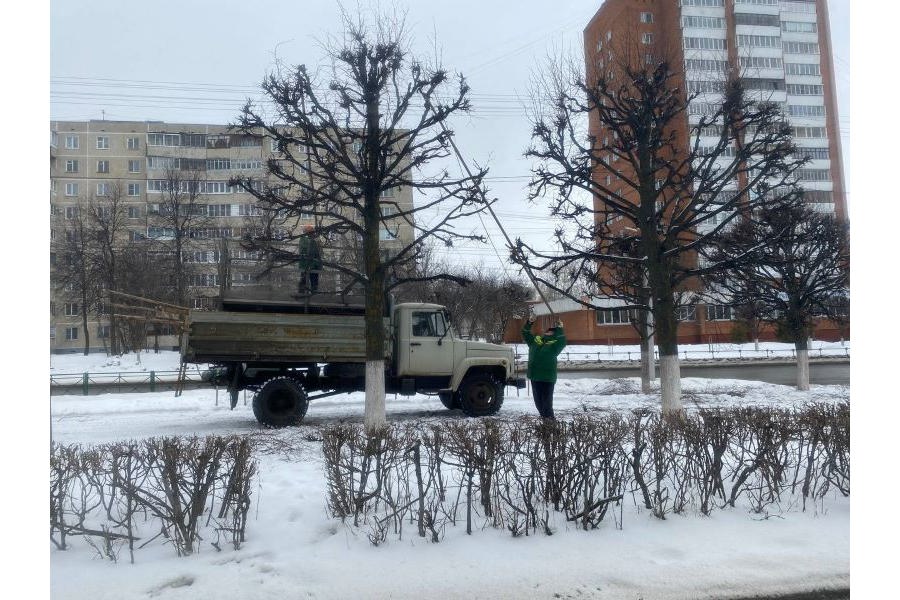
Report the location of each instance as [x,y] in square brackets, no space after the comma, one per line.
[350,135]
[798,272]
[179,226]
[73,268]
[645,172]
[108,217]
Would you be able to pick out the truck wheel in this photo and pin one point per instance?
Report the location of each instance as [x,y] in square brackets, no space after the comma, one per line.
[450,401]
[479,395]
[281,402]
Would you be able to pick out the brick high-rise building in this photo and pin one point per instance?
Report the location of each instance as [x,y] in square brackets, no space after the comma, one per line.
[780,48]
[782,51]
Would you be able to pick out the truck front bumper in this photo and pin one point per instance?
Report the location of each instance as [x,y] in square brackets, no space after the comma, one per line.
[516,382]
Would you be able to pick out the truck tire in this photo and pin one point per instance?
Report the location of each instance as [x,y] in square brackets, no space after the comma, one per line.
[479,395]
[449,400]
[281,402]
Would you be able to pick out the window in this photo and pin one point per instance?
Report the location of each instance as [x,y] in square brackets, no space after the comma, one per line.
[806,110]
[219,210]
[718,312]
[799,7]
[134,166]
[247,140]
[134,212]
[802,69]
[702,22]
[647,38]
[756,19]
[71,333]
[813,174]
[103,189]
[757,41]
[161,162]
[205,279]
[800,48]
[706,87]
[72,309]
[614,316]
[814,153]
[103,166]
[706,64]
[810,132]
[193,140]
[218,141]
[72,142]
[764,84]
[135,236]
[692,43]
[134,189]
[802,89]
[702,108]
[761,2]
[218,164]
[163,139]
[686,313]
[428,324]
[71,189]
[103,331]
[799,27]
[249,210]
[242,164]
[703,2]
[71,212]
[646,17]
[71,236]
[817,197]
[216,187]
[102,142]
[71,166]
[761,62]
[133,143]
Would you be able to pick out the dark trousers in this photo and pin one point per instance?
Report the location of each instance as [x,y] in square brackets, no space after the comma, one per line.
[543,397]
[309,281]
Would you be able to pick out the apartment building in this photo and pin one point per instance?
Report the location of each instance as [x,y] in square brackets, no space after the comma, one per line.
[137,162]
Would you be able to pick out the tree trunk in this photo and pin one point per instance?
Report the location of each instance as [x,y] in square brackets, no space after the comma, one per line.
[802,349]
[648,364]
[669,365]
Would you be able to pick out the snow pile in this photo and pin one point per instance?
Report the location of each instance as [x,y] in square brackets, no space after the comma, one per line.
[294,549]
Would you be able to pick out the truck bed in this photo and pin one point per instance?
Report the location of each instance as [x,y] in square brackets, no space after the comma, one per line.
[225,336]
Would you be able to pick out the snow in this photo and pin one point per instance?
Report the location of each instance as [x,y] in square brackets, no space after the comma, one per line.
[294,550]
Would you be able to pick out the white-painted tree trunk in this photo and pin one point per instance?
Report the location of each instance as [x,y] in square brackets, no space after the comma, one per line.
[756,344]
[803,370]
[375,411]
[670,383]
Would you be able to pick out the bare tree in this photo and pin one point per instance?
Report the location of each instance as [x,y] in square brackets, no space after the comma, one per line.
[73,268]
[367,125]
[799,271]
[637,178]
[179,225]
[108,218]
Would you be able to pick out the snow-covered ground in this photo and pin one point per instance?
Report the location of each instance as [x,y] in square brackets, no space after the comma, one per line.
[168,360]
[294,550]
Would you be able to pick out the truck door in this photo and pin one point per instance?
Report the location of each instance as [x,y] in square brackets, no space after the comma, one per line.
[430,344]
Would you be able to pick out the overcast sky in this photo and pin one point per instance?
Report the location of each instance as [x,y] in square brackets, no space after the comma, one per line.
[197,60]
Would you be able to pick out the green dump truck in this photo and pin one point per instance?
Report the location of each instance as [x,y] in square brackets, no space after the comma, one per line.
[290,352]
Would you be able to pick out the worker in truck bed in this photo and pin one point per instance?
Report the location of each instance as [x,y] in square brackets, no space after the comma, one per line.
[309,261]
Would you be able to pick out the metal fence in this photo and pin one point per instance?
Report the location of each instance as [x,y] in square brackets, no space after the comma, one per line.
[136,381]
[736,354]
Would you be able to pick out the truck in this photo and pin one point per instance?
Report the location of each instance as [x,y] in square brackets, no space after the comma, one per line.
[289,351]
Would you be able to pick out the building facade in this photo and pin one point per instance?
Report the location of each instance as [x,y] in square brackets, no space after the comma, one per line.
[133,165]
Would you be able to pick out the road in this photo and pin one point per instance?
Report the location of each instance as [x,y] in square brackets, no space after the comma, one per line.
[782,374]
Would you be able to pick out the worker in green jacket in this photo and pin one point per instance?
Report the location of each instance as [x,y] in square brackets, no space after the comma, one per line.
[309,260]
[542,353]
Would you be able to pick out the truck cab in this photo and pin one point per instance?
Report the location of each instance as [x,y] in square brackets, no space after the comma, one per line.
[429,356]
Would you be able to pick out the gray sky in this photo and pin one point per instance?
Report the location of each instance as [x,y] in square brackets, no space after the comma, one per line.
[196,60]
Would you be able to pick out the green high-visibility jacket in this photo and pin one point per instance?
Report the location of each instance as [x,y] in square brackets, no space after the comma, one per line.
[309,259]
[542,353]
